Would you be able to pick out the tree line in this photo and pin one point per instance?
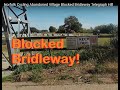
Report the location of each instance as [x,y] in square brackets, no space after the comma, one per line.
[73,25]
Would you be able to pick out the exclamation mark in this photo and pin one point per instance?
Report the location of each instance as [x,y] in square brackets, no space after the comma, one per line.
[77,58]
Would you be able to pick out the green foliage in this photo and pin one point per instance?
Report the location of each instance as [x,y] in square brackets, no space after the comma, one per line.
[52,29]
[110,28]
[35,77]
[114,43]
[95,32]
[85,55]
[83,30]
[61,29]
[71,24]
[114,40]
[32,29]
[100,54]
[43,31]
[27,67]
[7,78]
[100,68]
[63,77]
[50,65]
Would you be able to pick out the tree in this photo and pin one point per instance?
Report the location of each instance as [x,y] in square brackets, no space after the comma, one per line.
[52,29]
[61,29]
[43,31]
[110,28]
[84,30]
[32,29]
[71,24]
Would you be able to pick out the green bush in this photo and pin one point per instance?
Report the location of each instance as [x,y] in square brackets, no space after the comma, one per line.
[7,78]
[27,67]
[98,53]
[114,43]
[63,77]
[35,77]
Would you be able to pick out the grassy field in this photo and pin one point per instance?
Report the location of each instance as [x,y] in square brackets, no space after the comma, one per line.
[103,41]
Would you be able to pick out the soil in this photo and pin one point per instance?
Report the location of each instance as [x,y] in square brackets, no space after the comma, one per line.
[35,86]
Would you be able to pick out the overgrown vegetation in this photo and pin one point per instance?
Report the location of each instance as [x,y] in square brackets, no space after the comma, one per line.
[98,54]
[104,60]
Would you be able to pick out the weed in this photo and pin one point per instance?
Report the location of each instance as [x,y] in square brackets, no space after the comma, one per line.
[63,77]
[7,78]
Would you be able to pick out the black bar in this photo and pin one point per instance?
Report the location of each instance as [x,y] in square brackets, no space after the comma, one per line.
[13,12]
[60,37]
[22,50]
[18,7]
[17,22]
[55,37]
[106,36]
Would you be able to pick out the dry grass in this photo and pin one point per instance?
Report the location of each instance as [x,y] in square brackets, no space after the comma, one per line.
[63,74]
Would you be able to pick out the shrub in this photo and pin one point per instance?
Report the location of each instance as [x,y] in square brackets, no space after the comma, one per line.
[35,77]
[27,67]
[63,77]
[114,43]
[100,54]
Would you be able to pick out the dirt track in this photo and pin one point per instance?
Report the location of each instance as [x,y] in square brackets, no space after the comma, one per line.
[32,86]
